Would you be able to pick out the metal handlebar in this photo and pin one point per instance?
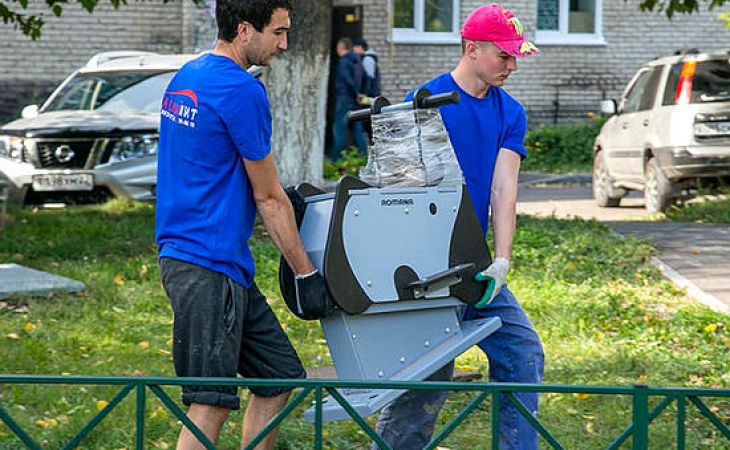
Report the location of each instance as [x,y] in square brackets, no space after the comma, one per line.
[426,100]
[358,115]
[422,99]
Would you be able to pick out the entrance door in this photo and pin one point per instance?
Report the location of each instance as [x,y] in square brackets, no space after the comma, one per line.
[346,22]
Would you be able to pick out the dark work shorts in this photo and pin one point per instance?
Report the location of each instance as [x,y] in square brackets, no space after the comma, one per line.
[222,329]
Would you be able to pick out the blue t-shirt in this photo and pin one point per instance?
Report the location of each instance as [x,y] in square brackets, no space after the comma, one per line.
[214,115]
[478,128]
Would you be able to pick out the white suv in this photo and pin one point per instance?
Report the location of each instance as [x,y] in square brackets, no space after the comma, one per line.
[95,137]
[670,130]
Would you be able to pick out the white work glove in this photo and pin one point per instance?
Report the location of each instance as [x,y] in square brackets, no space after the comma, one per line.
[494,275]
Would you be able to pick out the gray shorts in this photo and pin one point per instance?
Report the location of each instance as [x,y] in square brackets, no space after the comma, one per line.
[222,329]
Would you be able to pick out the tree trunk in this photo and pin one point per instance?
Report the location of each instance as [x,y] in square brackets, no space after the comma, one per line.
[297,87]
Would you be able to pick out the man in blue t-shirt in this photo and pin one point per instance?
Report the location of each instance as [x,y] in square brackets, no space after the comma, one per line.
[215,171]
[486,130]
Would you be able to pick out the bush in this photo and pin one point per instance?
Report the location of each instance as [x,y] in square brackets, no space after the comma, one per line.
[562,148]
[348,164]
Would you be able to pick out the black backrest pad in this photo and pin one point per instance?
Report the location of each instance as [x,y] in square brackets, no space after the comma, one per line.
[338,274]
[468,245]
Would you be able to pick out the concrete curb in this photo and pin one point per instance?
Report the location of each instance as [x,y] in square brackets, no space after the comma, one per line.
[678,280]
[578,178]
[692,289]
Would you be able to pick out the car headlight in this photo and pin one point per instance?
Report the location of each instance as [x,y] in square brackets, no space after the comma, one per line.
[132,147]
[11,147]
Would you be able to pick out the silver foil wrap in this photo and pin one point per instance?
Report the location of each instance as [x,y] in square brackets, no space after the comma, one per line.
[411,148]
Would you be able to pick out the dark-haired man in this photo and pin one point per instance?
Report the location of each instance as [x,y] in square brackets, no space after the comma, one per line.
[487,130]
[215,171]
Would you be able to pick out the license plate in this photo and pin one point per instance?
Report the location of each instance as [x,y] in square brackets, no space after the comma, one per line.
[723,127]
[710,129]
[63,182]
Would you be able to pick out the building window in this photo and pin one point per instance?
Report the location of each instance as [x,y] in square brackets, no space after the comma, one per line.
[426,21]
[569,22]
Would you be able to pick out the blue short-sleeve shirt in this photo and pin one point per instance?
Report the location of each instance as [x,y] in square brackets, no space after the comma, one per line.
[478,128]
[214,115]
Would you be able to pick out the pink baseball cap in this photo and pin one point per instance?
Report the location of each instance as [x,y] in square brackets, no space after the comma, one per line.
[498,25]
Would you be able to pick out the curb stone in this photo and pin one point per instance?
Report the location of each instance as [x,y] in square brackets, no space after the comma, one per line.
[577,178]
[681,282]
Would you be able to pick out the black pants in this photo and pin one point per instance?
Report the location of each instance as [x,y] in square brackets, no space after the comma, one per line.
[221,329]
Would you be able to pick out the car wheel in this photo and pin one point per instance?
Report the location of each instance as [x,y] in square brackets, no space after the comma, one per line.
[658,190]
[603,191]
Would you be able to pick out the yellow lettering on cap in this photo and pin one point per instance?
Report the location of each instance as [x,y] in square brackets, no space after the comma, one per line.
[517,24]
[527,47]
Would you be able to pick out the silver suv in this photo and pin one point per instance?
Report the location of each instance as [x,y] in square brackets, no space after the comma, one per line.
[95,137]
[670,132]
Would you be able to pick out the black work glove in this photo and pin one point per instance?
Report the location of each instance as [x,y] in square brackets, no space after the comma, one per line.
[313,300]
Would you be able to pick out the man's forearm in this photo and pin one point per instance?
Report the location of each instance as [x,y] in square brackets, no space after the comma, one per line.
[278,218]
[503,225]
[504,201]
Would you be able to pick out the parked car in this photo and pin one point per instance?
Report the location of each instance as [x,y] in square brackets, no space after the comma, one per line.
[95,137]
[670,132]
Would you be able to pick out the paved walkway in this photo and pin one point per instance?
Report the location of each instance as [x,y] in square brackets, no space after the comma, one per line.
[693,256]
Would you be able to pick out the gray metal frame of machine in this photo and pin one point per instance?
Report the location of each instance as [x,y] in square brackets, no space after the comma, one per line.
[399,264]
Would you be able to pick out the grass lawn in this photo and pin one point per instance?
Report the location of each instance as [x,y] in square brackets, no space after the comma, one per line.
[708,209]
[605,315]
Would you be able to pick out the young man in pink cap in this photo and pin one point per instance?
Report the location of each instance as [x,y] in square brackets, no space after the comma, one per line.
[487,130]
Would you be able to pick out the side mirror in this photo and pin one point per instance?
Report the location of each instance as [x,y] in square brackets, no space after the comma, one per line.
[608,106]
[29,112]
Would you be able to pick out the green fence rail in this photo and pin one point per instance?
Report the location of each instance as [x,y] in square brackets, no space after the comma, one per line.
[637,430]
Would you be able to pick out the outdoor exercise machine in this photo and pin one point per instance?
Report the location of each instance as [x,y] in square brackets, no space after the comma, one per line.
[398,263]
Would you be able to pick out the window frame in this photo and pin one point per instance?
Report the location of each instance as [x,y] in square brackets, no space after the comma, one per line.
[671,83]
[417,35]
[655,80]
[563,37]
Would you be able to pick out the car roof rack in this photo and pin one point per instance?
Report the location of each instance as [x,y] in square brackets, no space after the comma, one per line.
[101,58]
[687,51]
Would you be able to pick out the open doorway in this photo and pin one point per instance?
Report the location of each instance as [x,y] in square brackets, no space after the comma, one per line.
[346,22]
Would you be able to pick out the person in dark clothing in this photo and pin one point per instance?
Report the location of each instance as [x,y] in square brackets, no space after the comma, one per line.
[371,72]
[348,78]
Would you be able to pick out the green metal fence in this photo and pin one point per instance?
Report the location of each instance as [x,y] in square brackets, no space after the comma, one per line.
[637,430]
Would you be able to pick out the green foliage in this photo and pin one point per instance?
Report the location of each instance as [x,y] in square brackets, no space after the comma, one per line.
[725,17]
[31,24]
[669,7]
[605,315]
[349,163]
[562,148]
[707,209]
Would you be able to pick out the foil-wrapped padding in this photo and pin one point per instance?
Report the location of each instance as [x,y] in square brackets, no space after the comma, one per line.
[411,149]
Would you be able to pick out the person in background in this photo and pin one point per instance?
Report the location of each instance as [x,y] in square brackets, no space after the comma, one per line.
[370,86]
[348,81]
